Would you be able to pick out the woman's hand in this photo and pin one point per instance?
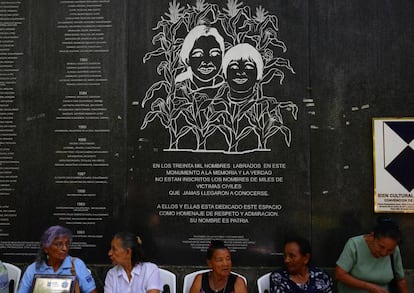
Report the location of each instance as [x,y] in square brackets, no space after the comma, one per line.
[376,289]
[346,278]
[402,286]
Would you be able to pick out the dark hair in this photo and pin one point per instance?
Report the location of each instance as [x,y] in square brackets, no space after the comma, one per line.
[213,246]
[386,227]
[48,236]
[129,240]
[304,245]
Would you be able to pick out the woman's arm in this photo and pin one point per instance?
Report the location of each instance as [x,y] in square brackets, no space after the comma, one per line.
[109,282]
[239,286]
[84,276]
[27,279]
[327,282]
[25,283]
[402,286]
[346,278]
[196,286]
[276,282]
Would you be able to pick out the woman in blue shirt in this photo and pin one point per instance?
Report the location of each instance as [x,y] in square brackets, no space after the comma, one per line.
[53,258]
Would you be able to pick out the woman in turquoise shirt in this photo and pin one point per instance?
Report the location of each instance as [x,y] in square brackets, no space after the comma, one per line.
[365,262]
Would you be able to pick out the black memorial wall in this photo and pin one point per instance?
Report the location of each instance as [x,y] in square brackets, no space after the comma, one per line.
[185,121]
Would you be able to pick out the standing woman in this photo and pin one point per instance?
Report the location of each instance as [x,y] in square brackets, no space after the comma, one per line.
[130,273]
[365,262]
[53,258]
[219,279]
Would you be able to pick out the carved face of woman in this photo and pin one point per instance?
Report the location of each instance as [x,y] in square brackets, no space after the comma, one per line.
[241,77]
[205,58]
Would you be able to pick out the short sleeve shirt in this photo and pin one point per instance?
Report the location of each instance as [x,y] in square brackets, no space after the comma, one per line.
[85,279]
[145,276]
[319,282]
[357,259]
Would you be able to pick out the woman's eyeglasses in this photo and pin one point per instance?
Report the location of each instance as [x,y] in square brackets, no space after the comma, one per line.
[60,245]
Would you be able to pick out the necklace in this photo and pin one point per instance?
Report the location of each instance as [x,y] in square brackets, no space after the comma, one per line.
[216,290]
[299,278]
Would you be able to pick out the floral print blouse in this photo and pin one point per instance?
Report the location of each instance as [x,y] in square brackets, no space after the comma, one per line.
[318,282]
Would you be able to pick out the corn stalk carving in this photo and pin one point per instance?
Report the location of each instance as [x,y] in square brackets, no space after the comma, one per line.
[207,114]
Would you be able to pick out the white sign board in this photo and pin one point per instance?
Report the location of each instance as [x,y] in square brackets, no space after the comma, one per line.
[393,164]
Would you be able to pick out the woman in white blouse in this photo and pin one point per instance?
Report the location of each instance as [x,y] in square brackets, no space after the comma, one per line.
[131,273]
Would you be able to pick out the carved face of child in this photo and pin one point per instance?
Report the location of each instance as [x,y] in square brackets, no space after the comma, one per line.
[241,77]
[205,58]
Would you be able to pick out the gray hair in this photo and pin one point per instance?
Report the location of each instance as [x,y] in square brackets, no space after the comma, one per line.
[48,237]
